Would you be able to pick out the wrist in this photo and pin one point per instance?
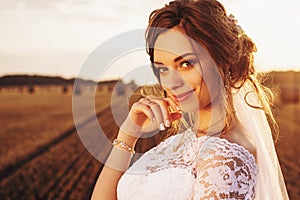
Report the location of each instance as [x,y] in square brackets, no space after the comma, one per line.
[129,128]
[126,138]
[123,145]
[119,159]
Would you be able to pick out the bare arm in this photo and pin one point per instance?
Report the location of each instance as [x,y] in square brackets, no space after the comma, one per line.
[106,186]
[146,115]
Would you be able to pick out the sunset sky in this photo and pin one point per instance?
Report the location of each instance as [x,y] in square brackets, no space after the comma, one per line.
[56,37]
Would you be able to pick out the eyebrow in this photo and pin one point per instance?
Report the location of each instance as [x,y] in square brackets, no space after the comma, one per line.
[177,58]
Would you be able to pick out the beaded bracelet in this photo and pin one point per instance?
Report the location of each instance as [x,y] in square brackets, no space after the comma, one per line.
[123,145]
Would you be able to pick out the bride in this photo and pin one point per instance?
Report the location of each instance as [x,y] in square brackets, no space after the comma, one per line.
[204,64]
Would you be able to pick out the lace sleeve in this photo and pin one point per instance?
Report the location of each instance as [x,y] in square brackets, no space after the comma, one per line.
[227,171]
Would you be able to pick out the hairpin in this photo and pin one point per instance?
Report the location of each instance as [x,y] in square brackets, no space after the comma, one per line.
[234,21]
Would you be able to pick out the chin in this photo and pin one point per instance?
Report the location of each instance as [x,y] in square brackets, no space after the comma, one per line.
[189,105]
[189,108]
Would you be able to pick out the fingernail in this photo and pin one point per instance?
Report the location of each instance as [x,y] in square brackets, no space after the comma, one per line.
[167,123]
[161,127]
[177,107]
[180,112]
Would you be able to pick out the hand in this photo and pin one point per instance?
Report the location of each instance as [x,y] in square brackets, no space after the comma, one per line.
[150,113]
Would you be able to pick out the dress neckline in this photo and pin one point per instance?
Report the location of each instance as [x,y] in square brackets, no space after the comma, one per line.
[213,136]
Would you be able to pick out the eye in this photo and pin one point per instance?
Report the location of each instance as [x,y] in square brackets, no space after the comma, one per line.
[162,70]
[187,64]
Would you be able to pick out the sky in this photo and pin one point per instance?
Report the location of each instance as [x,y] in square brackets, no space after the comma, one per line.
[57,37]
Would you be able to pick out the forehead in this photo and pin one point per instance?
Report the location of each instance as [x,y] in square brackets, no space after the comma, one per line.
[173,42]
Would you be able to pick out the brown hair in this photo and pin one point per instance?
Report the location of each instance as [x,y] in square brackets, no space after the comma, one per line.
[206,22]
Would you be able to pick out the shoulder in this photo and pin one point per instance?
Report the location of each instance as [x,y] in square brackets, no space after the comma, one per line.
[227,170]
[240,136]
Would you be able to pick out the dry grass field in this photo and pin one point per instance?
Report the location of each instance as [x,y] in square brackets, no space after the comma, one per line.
[288,147]
[42,157]
[29,123]
[31,120]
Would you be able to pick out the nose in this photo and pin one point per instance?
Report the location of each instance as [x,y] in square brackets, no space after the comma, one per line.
[173,80]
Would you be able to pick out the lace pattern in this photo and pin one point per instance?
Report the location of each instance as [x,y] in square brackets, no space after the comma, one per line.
[187,167]
[228,171]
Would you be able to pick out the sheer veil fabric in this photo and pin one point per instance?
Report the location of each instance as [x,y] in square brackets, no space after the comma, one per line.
[270,182]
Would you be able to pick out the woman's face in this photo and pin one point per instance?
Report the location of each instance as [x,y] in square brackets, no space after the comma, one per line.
[180,67]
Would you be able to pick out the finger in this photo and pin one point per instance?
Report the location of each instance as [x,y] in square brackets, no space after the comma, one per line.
[175,112]
[156,109]
[175,116]
[139,107]
[160,113]
[164,108]
[174,105]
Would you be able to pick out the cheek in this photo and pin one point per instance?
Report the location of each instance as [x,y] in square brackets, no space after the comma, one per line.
[196,81]
[194,78]
[203,92]
[204,95]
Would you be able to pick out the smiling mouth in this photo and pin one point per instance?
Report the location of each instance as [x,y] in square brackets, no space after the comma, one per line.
[183,96]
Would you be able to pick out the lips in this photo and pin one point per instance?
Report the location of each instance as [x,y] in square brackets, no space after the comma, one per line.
[184,95]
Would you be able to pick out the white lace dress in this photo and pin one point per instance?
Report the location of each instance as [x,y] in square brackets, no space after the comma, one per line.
[199,168]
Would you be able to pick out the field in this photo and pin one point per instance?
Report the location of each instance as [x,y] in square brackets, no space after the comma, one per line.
[42,156]
[288,148]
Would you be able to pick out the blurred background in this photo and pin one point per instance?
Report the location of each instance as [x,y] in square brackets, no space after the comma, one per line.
[44,45]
